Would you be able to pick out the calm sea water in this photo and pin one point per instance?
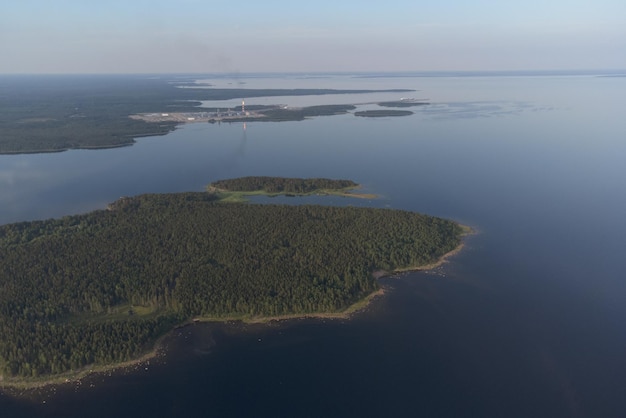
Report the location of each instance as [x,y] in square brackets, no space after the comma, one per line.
[527,321]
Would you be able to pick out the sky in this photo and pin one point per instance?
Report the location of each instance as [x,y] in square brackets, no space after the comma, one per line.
[226,36]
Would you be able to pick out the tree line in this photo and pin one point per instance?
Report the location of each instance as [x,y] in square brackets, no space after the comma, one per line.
[65,284]
[281,184]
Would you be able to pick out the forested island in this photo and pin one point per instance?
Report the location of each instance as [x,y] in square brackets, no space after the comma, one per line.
[100,288]
[281,184]
[57,113]
[289,186]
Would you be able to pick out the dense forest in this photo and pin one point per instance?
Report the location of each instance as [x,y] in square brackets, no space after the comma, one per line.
[294,114]
[281,184]
[100,288]
[55,113]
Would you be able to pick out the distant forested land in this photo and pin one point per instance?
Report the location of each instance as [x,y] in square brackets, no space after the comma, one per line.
[99,288]
[403,103]
[55,113]
[295,114]
[281,184]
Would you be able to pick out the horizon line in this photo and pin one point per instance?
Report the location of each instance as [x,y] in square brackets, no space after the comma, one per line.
[573,71]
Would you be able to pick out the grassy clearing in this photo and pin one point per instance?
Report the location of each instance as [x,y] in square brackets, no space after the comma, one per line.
[238,197]
[120,312]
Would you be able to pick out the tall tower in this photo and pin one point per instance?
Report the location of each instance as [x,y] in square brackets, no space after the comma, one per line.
[243,106]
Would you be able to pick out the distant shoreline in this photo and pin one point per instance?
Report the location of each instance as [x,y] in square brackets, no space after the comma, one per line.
[49,120]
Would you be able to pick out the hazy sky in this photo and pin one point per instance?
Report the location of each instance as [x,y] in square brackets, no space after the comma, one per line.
[153,36]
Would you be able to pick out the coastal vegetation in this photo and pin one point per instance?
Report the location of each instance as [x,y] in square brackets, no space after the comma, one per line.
[56,113]
[271,185]
[239,189]
[101,287]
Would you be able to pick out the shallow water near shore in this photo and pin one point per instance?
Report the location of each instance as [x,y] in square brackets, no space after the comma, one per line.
[526,321]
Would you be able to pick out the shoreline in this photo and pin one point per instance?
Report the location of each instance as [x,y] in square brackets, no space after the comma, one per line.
[28,388]
[24,388]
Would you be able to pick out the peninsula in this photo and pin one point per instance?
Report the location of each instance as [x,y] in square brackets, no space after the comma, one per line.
[99,289]
[56,113]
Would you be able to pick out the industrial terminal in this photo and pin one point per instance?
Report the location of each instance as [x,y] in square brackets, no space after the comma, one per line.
[201,116]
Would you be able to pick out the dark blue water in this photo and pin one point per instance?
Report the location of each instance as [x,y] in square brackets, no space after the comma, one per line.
[527,321]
